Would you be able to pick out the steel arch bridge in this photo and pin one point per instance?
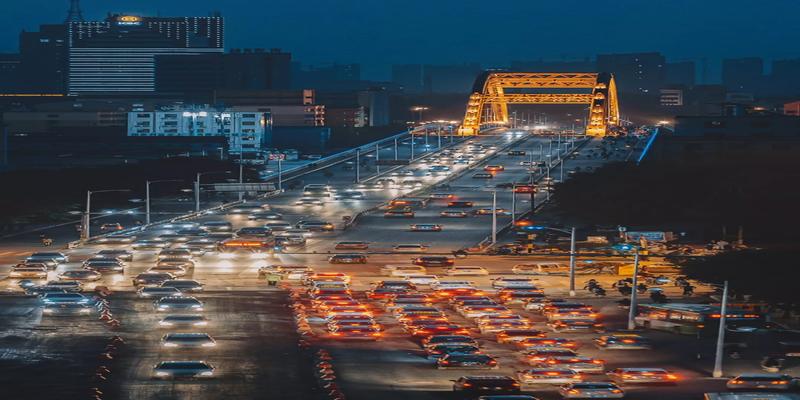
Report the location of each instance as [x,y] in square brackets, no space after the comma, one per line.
[489,97]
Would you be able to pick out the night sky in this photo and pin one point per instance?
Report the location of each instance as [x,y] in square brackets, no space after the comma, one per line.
[378,33]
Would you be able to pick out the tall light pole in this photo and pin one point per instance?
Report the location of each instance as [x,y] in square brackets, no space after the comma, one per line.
[378,158]
[494,216]
[572,257]
[241,173]
[147,196]
[632,308]
[87,215]
[197,187]
[721,333]
[513,203]
[395,149]
[358,164]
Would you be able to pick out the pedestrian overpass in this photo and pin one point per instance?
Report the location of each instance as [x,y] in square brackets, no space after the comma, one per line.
[494,91]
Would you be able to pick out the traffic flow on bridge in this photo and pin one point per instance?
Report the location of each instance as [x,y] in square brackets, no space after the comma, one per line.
[431,279]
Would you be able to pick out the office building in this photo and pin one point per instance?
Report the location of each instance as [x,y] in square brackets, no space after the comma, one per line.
[118,54]
[346,117]
[680,73]
[246,132]
[43,59]
[743,74]
[289,115]
[327,77]
[256,69]
[554,66]
[9,73]
[785,77]
[671,97]
[640,73]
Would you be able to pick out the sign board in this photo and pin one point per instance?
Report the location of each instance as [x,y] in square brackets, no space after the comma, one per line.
[391,162]
[525,189]
[243,187]
[653,236]
[277,156]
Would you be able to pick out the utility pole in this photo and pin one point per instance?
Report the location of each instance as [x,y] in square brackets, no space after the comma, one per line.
[632,308]
[572,257]
[721,335]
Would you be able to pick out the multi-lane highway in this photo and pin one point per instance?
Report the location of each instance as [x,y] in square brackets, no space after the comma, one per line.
[256,354]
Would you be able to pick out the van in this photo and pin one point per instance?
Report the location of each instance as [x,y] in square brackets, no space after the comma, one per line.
[545,268]
[403,270]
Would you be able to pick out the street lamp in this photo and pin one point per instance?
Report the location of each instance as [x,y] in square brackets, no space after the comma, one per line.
[197,187]
[87,219]
[572,250]
[419,109]
[147,196]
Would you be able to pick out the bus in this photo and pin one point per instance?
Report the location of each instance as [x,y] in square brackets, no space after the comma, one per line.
[689,319]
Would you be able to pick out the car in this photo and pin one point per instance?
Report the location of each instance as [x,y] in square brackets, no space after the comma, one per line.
[183,369]
[80,275]
[577,363]
[349,195]
[60,258]
[548,376]
[466,361]
[576,325]
[278,226]
[426,228]
[494,168]
[216,226]
[104,265]
[361,332]
[115,238]
[64,297]
[121,254]
[591,390]
[428,329]
[176,303]
[433,261]
[29,271]
[187,340]
[486,384]
[466,271]
[245,209]
[66,309]
[183,320]
[115,226]
[546,342]
[539,268]
[174,270]
[181,225]
[622,342]
[265,215]
[410,248]
[348,259]
[538,355]
[435,340]
[460,204]
[253,231]
[488,211]
[643,375]
[351,246]
[516,153]
[512,282]
[761,382]
[453,214]
[308,201]
[513,335]
[175,262]
[402,270]
[184,285]
[67,286]
[150,244]
[154,291]
[440,350]
[152,278]
[422,279]
[439,196]
[399,212]
[176,253]
[315,226]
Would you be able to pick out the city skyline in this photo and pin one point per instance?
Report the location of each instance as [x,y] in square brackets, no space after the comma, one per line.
[378,37]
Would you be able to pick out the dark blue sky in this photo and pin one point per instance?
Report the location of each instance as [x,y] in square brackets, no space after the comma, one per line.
[378,33]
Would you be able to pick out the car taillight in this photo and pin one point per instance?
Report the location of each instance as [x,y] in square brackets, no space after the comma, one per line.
[779,382]
[573,391]
[736,382]
[466,384]
[492,362]
[616,391]
[672,377]
[597,361]
[444,362]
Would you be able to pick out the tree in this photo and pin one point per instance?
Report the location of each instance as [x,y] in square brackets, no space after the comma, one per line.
[768,275]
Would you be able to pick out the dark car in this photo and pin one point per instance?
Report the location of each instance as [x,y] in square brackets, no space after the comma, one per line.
[486,384]
[347,259]
[466,361]
[434,261]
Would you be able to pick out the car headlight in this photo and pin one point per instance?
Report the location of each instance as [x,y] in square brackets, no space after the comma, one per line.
[169,344]
[206,373]
[162,373]
[165,323]
[48,311]
[201,323]
[163,306]
[85,310]
[209,344]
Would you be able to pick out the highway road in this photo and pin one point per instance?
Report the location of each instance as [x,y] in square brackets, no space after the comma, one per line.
[257,357]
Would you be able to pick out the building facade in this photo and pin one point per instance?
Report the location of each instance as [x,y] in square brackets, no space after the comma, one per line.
[119,53]
[246,132]
[640,73]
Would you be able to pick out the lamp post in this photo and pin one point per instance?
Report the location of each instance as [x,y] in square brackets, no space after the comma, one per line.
[358,163]
[632,308]
[721,335]
[87,216]
[241,173]
[147,196]
[197,187]
[395,149]
[494,216]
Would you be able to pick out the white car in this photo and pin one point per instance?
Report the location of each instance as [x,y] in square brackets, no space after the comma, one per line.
[423,279]
[505,282]
[548,376]
[403,270]
[446,285]
[466,271]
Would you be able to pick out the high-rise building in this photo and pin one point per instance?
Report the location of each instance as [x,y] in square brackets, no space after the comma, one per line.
[119,53]
[256,69]
[409,76]
[43,59]
[680,73]
[554,66]
[642,73]
[9,73]
[785,77]
[743,74]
